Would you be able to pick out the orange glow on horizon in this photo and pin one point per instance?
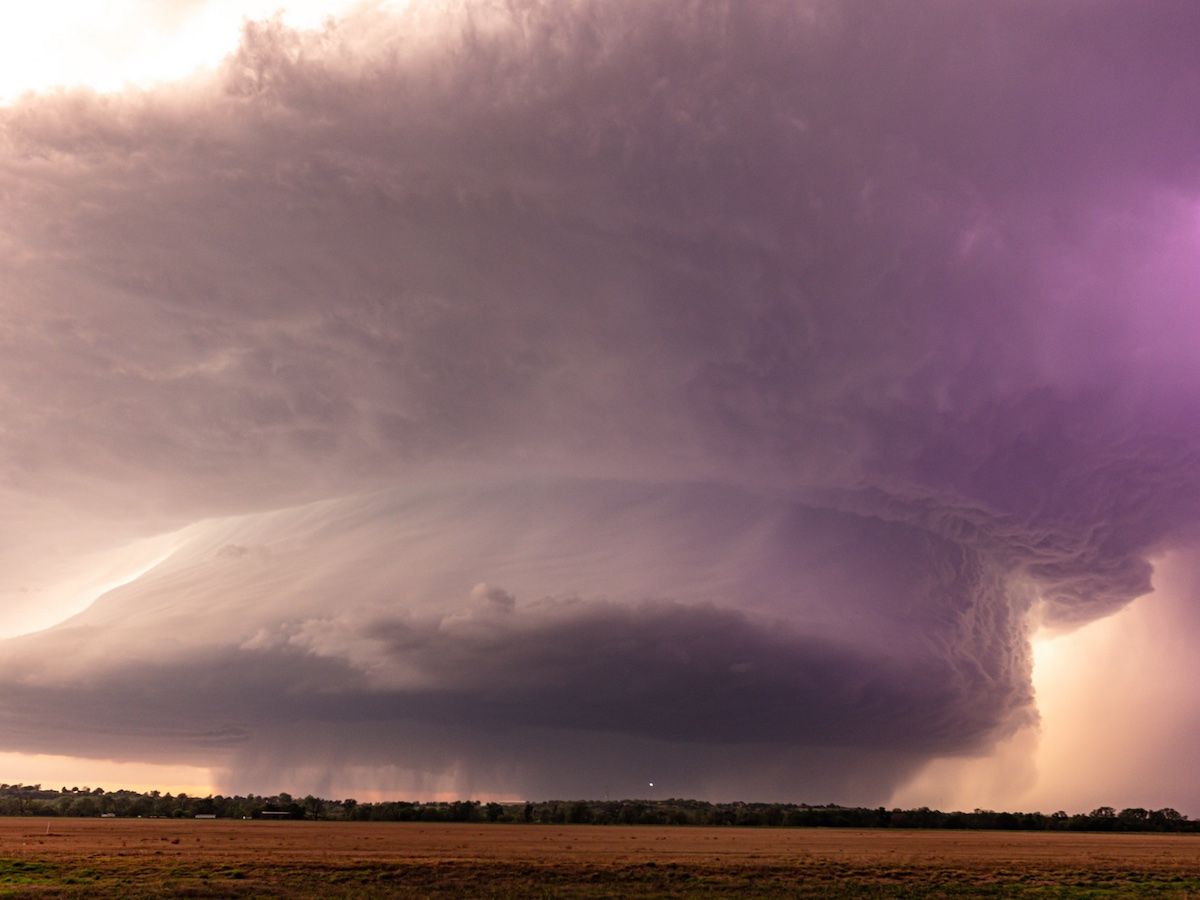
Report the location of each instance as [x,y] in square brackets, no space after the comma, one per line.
[53,772]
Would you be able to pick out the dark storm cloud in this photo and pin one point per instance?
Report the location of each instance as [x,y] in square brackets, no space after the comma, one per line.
[702,617]
[225,648]
[668,671]
[922,276]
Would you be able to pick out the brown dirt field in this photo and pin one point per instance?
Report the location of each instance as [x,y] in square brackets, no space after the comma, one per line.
[222,858]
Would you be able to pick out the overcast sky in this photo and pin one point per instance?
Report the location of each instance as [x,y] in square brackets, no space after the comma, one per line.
[547,398]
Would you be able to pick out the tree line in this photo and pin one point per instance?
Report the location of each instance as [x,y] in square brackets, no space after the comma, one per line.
[34,800]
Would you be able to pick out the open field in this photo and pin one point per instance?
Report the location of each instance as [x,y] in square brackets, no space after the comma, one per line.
[222,858]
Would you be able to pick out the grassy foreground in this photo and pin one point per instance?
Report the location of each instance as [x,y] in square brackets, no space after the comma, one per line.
[160,858]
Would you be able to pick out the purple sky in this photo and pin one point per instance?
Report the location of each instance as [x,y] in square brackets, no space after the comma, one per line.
[540,399]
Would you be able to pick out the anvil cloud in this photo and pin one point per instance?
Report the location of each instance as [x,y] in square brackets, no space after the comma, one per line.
[543,396]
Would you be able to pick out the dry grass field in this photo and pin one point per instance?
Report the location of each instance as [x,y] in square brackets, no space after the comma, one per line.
[164,857]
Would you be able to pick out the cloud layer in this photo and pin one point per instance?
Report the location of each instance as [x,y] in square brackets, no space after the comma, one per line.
[700,616]
[704,382]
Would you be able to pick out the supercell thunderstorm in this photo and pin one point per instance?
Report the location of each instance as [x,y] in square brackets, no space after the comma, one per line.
[543,394]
